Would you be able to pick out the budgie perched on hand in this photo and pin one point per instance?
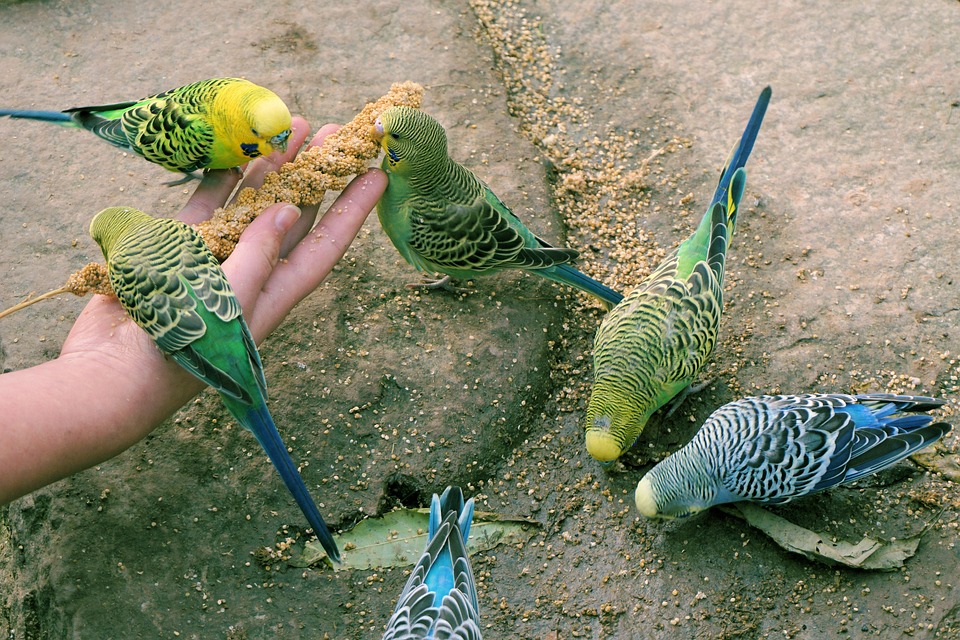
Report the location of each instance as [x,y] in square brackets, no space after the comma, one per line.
[440,597]
[775,448]
[174,289]
[212,124]
[442,218]
[653,344]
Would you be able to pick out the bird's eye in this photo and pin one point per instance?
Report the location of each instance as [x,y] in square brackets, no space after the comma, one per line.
[395,136]
[254,131]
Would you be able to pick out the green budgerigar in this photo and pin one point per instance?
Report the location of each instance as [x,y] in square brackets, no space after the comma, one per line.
[218,123]
[174,289]
[652,345]
[443,219]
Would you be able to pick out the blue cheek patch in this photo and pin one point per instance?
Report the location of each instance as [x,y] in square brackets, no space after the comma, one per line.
[251,149]
[393,154]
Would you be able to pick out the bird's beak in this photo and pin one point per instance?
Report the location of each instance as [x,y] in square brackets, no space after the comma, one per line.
[377,132]
[280,140]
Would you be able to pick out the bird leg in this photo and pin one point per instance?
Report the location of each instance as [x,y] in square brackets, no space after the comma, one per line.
[445,283]
[689,390]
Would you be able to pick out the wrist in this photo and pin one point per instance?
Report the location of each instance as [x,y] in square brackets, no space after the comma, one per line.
[81,409]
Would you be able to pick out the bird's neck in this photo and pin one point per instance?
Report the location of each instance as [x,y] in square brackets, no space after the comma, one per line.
[442,177]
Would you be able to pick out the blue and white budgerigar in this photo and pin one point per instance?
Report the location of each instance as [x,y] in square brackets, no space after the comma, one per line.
[652,345]
[172,286]
[772,449]
[443,219]
[440,597]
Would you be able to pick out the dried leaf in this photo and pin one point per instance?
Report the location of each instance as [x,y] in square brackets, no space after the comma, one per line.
[398,538]
[940,460]
[870,554]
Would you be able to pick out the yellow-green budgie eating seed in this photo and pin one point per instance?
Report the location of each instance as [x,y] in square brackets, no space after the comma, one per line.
[652,345]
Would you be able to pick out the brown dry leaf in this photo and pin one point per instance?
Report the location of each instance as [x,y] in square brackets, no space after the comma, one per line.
[939,460]
[868,554]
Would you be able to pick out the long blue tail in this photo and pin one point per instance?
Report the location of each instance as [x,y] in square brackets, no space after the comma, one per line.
[260,422]
[46,116]
[883,435]
[440,597]
[450,566]
[738,157]
[566,274]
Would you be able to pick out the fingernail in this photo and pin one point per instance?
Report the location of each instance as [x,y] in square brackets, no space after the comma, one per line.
[286,218]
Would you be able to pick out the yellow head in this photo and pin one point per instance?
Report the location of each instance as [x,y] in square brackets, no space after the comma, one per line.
[613,422]
[603,446]
[255,122]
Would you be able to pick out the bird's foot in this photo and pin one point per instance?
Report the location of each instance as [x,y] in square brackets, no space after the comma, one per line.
[445,283]
[689,390]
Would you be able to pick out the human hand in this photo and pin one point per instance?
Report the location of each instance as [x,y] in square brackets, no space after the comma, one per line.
[120,385]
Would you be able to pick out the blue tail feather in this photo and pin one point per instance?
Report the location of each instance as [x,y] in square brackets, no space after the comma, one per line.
[259,421]
[568,275]
[883,435]
[47,116]
[441,576]
[885,404]
[738,158]
[893,449]
[906,423]
[440,597]
[451,500]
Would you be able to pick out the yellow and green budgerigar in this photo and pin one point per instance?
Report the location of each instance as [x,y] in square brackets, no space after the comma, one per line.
[174,289]
[652,345]
[443,219]
[212,124]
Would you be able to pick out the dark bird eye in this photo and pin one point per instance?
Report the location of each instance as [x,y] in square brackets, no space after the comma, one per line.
[395,136]
[255,132]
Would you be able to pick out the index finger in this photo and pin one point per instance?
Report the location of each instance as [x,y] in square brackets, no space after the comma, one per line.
[315,256]
[212,192]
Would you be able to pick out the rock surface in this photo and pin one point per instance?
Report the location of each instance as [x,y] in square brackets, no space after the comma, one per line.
[840,278]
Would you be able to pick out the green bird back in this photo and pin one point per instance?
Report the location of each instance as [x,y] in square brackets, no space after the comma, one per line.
[173,287]
[442,218]
[653,344]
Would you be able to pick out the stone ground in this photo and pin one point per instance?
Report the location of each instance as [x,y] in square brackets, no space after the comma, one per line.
[836,282]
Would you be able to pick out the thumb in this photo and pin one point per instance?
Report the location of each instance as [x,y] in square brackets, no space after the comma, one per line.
[258,251]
